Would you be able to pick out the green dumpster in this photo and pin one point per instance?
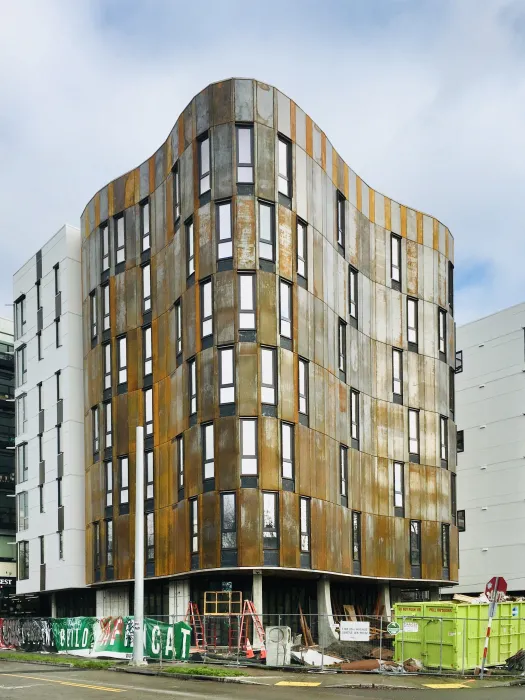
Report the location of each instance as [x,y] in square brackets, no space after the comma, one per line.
[451,636]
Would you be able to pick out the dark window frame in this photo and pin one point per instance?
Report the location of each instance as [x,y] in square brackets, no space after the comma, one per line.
[178,327]
[146,297]
[109,543]
[207,461]
[239,164]
[414,456]
[395,262]
[149,475]
[190,247]
[120,250]
[399,489]
[413,330]
[179,451]
[208,318]
[285,460]
[357,540]
[204,186]
[286,177]
[340,219]
[148,421]
[225,241]
[145,234]
[229,530]
[301,232]
[108,482]
[245,313]
[343,474]
[147,356]
[461,520]
[285,319]
[123,484]
[272,387]
[193,386]
[106,361]
[305,533]
[303,394]
[355,418]
[353,293]
[105,246]
[149,536]
[269,242]
[247,469]
[342,344]
[267,529]
[95,431]
[176,192]
[460,441]
[225,387]
[453,497]
[443,441]
[194,524]
[442,334]
[58,338]
[106,307]
[445,549]
[397,396]
[415,543]
[459,362]
[122,369]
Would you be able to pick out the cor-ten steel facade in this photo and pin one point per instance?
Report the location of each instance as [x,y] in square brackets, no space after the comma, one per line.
[285,334]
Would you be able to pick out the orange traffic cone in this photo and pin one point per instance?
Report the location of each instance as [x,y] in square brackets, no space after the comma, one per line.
[249,650]
[263,652]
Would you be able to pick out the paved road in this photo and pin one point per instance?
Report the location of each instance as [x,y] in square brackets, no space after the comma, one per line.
[38,682]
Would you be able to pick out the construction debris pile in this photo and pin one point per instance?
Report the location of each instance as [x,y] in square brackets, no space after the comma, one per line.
[517,662]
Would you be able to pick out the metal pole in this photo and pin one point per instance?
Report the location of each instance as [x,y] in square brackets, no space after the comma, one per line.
[138,640]
[441,646]
[492,609]
[402,640]
[464,647]
[380,640]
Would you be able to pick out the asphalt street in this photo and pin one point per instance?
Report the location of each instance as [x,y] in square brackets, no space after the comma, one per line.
[39,682]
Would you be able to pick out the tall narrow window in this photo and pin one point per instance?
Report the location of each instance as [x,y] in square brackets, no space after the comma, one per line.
[42,550]
[194,525]
[109,543]
[59,438]
[341,224]
[462,525]
[451,287]
[206,309]
[95,431]
[342,347]
[178,327]
[60,544]
[399,489]
[180,461]
[415,548]
[442,331]
[343,473]
[58,386]
[146,344]
[150,537]
[23,560]
[397,375]
[248,446]
[285,167]
[287,450]
[122,360]
[21,365]
[104,240]
[459,361]
[395,261]
[226,375]
[302,249]
[23,511]
[96,546]
[208,451]
[56,269]
[108,425]
[58,334]
[244,154]
[124,481]
[146,288]
[412,324]
[460,441]
[303,387]
[285,305]
[148,411]
[39,344]
[246,302]
[228,521]
[176,193]
[40,396]
[105,308]
[149,475]
[20,317]
[356,541]
[93,314]
[108,468]
[305,524]
[190,249]
[353,293]
[192,373]
[59,492]
[270,527]
[21,414]
[445,550]
[413,435]
[223,213]
[120,240]
[452,391]
[204,165]
[268,376]
[453,498]
[145,226]
[40,447]
[266,231]
[354,417]
[107,365]
[443,440]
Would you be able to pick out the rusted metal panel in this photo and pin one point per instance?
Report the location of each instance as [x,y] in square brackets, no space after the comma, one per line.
[190,318]
[267,308]
[189,124]
[318,515]
[186,184]
[264,106]
[289,514]
[205,241]
[225,307]
[182,536]
[266,145]
[202,111]
[286,242]
[210,530]
[227,453]
[164,469]
[222,102]
[283,114]
[223,174]
[192,461]
[245,232]
[250,530]
[247,379]
[208,384]
[243,100]
[288,399]
[269,478]
[304,323]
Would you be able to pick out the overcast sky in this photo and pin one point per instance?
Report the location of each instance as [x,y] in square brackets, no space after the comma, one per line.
[424,99]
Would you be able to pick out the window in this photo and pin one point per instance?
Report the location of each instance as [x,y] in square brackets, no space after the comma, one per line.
[244,153]
[305,524]
[415,544]
[108,469]
[59,492]
[285,167]
[105,308]
[302,249]
[395,261]
[59,392]
[21,414]
[192,373]
[179,442]
[39,344]
[206,309]
[397,375]
[413,433]
[178,327]
[352,292]
[96,546]
[342,346]
[38,300]
[41,497]
[176,192]
[122,359]
[149,474]
[148,411]
[204,164]
[452,391]
[270,521]
[42,549]
[341,224]
[266,231]
[356,541]
[228,521]
[20,317]
[208,451]
[145,226]
[120,240]
[104,238]
[21,365]
[40,397]
[451,287]
[224,230]
[146,344]
[354,417]
[460,441]
[287,450]
[23,511]
[59,438]
[23,560]
[150,536]
[60,544]
[268,376]
[93,314]
[285,309]
[399,489]
[56,268]
[124,480]
[442,330]
[109,543]
[453,497]
[248,446]
[107,365]
[303,386]
[459,361]
[343,473]
[226,375]
[461,521]
[40,447]
[445,549]
[146,288]
[190,249]
[58,336]
[95,431]
[21,462]
[443,440]
[246,302]
[194,525]
[412,324]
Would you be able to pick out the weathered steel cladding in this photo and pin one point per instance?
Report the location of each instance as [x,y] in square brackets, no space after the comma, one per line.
[318,171]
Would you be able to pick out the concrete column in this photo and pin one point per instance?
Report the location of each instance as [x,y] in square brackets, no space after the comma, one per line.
[434,593]
[53,605]
[112,602]
[326,624]
[384,593]
[179,598]
[257,598]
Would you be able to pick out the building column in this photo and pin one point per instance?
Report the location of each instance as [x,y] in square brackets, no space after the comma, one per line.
[179,598]
[434,593]
[326,624]
[384,595]
[53,605]
[257,599]
[112,602]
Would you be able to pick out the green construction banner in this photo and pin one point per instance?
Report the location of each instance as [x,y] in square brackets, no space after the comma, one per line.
[74,635]
[161,640]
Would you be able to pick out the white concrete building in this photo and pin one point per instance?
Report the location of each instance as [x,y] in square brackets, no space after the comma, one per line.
[490,399]
[50,423]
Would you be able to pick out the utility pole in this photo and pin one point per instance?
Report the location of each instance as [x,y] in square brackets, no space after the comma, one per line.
[138,638]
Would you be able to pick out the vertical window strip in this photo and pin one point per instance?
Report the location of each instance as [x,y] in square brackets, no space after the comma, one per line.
[145,225]
[353,292]
[178,327]
[124,480]
[180,461]
[399,487]
[397,372]
[246,301]
[224,230]
[208,451]
[146,288]
[148,412]
[190,249]
[192,371]
[228,521]
[268,376]
[122,360]
[249,461]
[120,238]
[413,431]
[305,524]
[395,258]
[206,308]
[287,450]
[104,238]
[343,470]
[303,386]
[194,525]
[107,365]
[285,167]
[302,249]
[147,349]
[226,375]
[285,303]
[204,165]
[270,521]
[245,160]
[266,231]
[341,224]
[149,474]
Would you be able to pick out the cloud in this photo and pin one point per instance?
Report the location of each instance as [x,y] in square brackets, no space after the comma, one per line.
[425,99]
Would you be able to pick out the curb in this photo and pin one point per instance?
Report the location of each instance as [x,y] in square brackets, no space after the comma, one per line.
[45,663]
[188,676]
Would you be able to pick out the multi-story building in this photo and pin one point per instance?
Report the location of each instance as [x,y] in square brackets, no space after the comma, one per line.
[491,450]
[285,335]
[50,483]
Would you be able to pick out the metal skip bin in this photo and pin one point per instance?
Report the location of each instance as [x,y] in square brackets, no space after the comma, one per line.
[451,636]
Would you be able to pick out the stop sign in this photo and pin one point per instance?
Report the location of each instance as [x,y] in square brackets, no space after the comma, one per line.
[496,588]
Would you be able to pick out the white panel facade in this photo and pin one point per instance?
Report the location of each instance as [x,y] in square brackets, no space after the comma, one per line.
[490,397]
[63,555]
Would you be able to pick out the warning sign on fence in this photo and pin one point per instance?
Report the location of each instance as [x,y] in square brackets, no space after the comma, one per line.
[354,631]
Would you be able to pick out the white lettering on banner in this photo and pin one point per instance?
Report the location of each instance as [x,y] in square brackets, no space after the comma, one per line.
[354,631]
[169,641]
[186,637]
[410,627]
[85,637]
[155,640]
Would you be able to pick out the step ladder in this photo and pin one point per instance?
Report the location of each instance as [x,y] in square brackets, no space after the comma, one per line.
[193,618]
[248,612]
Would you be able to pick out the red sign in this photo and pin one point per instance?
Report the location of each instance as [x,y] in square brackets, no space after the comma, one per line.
[496,588]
